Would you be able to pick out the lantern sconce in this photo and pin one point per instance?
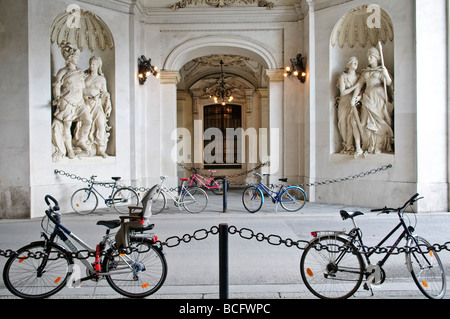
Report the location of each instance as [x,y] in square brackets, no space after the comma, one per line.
[145,69]
[297,68]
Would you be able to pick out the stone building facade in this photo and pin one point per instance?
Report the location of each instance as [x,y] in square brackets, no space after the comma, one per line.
[149,128]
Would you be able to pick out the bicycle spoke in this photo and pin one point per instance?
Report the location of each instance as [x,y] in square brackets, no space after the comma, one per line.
[426,268]
[331,273]
[138,274]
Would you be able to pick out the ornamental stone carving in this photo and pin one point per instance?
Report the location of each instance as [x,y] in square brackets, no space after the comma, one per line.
[365,107]
[221,3]
[80,97]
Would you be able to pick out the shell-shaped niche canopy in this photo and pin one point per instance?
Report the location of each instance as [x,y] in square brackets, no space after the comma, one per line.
[367,24]
[81,27]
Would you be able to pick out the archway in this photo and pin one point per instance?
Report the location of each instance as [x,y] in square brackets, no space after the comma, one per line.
[245,77]
[209,45]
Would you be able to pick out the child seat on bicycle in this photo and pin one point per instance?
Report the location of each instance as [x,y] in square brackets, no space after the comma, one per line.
[139,219]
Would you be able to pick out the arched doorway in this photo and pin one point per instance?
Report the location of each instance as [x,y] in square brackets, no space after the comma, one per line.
[223,132]
[254,71]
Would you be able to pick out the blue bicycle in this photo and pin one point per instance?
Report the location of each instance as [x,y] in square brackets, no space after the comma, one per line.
[291,198]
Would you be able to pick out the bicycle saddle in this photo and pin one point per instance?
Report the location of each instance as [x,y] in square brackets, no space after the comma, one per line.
[283,180]
[115,178]
[110,223]
[345,214]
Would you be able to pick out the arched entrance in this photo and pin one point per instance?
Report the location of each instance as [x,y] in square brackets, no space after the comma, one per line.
[249,71]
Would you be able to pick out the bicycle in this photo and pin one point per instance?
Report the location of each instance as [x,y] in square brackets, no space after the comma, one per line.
[42,268]
[332,265]
[193,199]
[291,198]
[85,200]
[215,185]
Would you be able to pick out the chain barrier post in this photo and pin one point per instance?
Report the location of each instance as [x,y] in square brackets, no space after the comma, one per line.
[223,261]
[224,193]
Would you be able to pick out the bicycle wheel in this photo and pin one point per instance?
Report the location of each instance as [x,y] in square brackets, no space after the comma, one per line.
[138,274]
[194,199]
[34,277]
[84,201]
[220,181]
[123,198]
[426,268]
[328,272]
[293,198]
[159,203]
[252,198]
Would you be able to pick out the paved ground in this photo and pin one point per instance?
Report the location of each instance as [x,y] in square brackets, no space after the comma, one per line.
[257,270]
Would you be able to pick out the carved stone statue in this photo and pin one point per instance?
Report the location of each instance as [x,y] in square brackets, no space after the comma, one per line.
[376,108]
[349,123]
[70,105]
[80,97]
[370,128]
[98,99]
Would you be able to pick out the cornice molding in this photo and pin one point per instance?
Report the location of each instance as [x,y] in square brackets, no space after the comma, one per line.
[316,5]
[124,6]
[228,14]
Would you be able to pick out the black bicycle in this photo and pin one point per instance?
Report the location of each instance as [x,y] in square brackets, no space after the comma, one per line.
[85,200]
[332,265]
[42,268]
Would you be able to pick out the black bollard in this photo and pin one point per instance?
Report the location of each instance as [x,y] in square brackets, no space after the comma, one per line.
[224,193]
[223,261]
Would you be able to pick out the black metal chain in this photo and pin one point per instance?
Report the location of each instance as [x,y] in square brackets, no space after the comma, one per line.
[104,184]
[276,240]
[326,182]
[350,177]
[245,233]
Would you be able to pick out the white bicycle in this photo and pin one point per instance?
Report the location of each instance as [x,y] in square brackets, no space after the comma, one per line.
[193,199]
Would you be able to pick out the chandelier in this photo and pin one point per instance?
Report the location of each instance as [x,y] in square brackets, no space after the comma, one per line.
[219,91]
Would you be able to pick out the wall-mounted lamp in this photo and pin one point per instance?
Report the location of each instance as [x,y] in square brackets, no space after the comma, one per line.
[297,68]
[145,69]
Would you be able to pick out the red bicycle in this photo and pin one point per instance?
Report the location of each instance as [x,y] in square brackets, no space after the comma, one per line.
[215,185]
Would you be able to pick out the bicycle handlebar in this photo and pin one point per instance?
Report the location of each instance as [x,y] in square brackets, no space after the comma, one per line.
[56,216]
[49,197]
[387,210]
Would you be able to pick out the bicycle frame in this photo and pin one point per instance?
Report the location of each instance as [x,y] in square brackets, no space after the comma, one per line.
[367,254]
[269,192]
[205,182]
[108,201]
[61,232]
[356,236]
[175,197]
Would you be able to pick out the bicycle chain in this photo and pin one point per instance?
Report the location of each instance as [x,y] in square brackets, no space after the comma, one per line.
[245,233]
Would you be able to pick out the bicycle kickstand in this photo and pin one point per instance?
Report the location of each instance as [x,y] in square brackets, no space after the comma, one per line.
[367,286]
